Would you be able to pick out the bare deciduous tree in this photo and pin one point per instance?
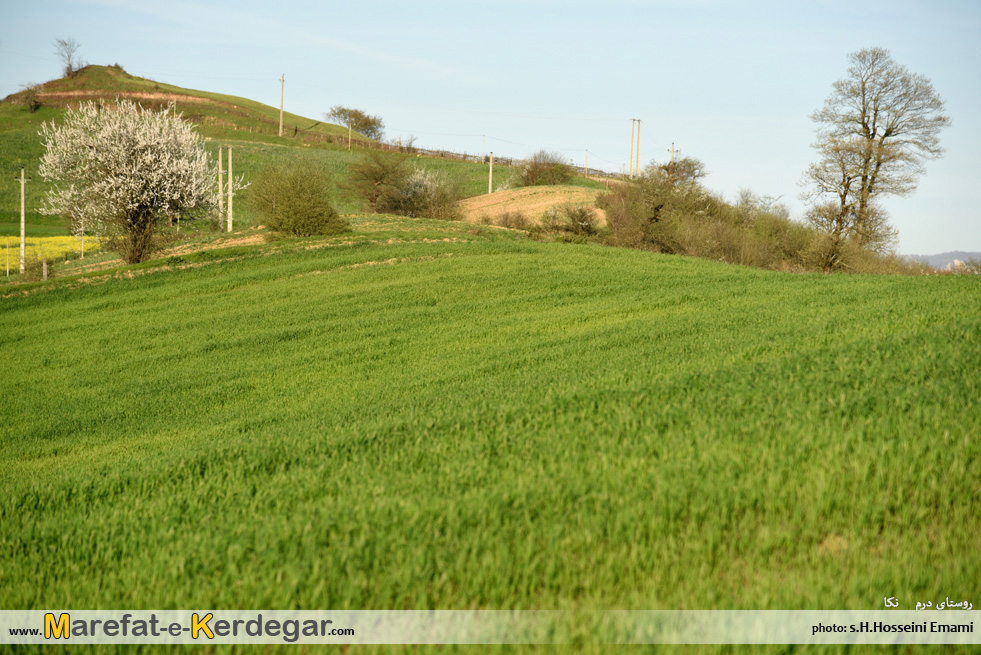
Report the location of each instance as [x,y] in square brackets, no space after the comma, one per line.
[876,130]
[67,51]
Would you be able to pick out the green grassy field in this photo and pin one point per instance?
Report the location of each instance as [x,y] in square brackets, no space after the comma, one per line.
[431,415]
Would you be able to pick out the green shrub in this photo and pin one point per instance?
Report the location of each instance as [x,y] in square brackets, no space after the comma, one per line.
[297,200]
[32,96]
[580,219]
[422,194]
[570,223]
[514,220]
[376,174]
[34,269]
[551,220]
[676,215]
[544,168]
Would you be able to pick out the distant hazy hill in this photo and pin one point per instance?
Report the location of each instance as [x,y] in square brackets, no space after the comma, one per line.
[944,259]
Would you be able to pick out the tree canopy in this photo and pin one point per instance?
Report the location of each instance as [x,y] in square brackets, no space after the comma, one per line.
[120,171]
[876,130]
[361,122]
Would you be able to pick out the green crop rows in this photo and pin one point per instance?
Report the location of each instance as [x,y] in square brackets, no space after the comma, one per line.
[428,415]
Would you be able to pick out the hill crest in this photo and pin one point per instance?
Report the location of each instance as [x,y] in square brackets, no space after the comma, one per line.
[217,115]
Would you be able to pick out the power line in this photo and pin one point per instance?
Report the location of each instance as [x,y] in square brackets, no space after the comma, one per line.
[24,54]
[395,129]
[304,84]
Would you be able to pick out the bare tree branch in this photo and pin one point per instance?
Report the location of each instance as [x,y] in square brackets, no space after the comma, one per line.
[67,51]
[875,132]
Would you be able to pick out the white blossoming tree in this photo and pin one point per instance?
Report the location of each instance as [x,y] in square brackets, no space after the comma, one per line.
[122,171]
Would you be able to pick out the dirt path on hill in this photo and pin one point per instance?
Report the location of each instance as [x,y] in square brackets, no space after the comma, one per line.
[530,201]
[129,95]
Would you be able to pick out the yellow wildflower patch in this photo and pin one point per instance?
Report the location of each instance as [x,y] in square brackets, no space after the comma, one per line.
[54,248]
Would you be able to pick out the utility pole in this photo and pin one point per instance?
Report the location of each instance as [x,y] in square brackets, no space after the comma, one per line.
[23,220]
[349,134]
[490,180]
[230,190]
[587,163]
[221,196]
[671,165]
[637,166]
[282,89]
[633,122]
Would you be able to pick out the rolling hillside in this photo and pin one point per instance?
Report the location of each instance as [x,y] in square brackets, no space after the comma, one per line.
[249,127]
[218,117]
[421,414]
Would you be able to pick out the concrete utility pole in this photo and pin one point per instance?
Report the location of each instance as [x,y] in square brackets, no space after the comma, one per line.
[23,220]
[282,89]
[672,153]
[633,125]
[587,163]
[637,167]
[229,189]
[221,195]
[490,180]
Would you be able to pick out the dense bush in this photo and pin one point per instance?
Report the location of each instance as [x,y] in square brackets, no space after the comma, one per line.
[684,170]
[572,222]
[669,211]
[388,184]
[514,220]
[422,194]
[375,174]
[580,219]
[32,96]
[542,169]
[297,200]
[35,269]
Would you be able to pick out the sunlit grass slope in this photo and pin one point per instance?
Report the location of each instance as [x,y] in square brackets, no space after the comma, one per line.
[249,127]
[427,415]
[217,116]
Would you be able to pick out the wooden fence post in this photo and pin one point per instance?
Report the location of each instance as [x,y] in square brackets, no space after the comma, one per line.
[230,189]
[221,196]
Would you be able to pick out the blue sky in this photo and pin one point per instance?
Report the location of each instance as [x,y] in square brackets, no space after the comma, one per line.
[731,83]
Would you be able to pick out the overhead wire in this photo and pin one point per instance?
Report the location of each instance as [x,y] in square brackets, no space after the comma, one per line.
[306,84]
